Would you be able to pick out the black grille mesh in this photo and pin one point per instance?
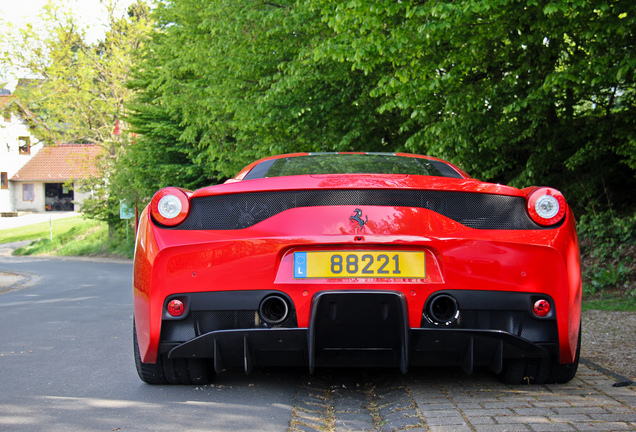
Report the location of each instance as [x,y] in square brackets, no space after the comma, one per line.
[474,210]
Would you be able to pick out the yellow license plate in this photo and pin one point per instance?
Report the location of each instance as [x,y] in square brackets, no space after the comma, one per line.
[359,264]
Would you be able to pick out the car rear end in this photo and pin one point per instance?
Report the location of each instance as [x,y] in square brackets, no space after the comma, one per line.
[360,270]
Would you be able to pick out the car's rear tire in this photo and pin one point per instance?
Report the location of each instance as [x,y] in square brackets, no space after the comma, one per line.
[172,371]
[540,371]
[187,371]
[525,371]
[150,373]
[562,373]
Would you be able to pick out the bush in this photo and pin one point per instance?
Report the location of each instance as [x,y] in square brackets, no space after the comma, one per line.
[121,241]
[608,254]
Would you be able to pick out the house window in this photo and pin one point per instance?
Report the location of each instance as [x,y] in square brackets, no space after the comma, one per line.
[24,145]
[28,192]
[4,181]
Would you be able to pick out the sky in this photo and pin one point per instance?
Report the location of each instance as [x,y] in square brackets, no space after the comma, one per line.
[17,13]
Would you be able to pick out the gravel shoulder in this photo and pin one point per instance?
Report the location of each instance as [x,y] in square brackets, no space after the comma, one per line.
[609,340]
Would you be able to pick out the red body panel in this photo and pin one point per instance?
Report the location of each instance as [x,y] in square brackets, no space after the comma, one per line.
[358,181]
[260,257]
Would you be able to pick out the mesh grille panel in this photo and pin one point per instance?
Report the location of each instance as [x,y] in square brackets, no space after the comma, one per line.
[475,210]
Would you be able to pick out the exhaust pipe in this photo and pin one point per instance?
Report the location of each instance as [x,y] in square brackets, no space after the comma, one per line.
[442,310]
[273,309]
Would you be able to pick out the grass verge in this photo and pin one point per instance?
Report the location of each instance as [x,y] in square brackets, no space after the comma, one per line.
[39,230]
[610,304]
[71,237]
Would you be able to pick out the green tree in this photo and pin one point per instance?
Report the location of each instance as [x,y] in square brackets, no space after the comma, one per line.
[523,92]
[516,91]
[228,81]
[79,89]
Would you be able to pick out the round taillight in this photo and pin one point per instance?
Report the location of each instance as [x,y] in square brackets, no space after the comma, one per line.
[170,206]
[175,308]
[546,206]
[541,308]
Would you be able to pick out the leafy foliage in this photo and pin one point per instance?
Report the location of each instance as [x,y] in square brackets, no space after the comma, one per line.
[522,92]
[224,83]
[80,86]
[608,252]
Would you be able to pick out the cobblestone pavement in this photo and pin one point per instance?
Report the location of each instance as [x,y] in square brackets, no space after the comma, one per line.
[442,400]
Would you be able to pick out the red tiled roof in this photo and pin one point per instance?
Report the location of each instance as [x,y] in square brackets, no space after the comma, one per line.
[5,100]
[61,162]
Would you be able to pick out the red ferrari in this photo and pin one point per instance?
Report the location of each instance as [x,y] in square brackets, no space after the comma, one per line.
[357,259]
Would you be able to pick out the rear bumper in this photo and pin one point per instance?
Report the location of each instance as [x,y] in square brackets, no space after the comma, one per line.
[421,347]
[370,329]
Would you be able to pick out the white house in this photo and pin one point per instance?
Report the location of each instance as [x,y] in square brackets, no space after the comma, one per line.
[18,145]
[36,177]
[42,184]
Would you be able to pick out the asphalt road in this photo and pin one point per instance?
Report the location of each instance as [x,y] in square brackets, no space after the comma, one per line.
[66,364]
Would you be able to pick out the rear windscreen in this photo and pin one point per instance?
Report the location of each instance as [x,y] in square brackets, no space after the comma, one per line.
[332,163]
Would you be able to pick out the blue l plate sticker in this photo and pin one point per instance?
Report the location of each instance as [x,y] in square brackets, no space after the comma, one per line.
[300,265]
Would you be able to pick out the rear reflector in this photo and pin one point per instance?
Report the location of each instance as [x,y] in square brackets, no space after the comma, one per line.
[175,308]
[541,308]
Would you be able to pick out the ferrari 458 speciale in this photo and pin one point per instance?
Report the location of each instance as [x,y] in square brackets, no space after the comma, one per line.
[357,260]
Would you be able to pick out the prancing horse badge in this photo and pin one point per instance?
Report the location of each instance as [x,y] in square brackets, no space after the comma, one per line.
[357,217]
